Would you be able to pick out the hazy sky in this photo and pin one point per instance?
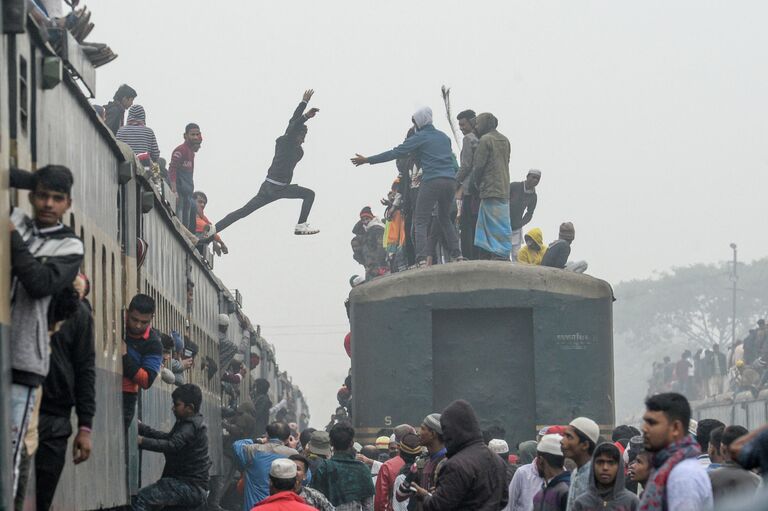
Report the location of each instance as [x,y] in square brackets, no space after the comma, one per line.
[648,120]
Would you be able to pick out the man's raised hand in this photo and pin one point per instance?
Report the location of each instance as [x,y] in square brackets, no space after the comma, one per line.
[359,159]
[308,95]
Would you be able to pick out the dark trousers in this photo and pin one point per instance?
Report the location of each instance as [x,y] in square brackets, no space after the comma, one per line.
[169,492]
[468,224]
[268,193]
[440,191]
[410,233]
[51,454]
[185,207]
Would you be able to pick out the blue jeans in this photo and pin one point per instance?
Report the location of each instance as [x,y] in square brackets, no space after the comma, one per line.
[169,492]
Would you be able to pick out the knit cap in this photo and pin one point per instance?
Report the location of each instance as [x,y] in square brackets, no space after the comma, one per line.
[567,232]
[366,212]
[136,113]
[410,444]
[382,443]
[432,421]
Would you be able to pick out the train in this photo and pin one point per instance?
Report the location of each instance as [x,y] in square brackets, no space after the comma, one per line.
[527,346]
[133,243]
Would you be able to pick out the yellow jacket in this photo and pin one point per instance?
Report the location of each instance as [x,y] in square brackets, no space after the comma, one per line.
[528,256]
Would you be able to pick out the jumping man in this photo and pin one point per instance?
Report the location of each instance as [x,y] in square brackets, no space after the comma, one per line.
[277,185]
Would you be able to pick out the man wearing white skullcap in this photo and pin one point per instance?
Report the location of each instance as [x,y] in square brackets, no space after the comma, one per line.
[578,444]
[282,485]
[522,204]
[549,463]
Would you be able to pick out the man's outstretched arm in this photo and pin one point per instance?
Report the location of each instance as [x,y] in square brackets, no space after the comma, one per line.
[299,117]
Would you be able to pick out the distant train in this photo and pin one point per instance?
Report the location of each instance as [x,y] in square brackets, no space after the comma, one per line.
[528,346]
[133,243]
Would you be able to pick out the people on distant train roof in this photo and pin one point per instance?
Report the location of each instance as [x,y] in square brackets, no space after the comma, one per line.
[184,482]
[490,177]
[140,137]
[277,185]
[45,258]
[522,204]
[558,251]
[534,250]
[115,110]
[181,174]
[432,148]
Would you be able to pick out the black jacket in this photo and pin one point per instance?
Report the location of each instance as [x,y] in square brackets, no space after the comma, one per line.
[473,478]
[557,254]
[71,380]
[185,448]
[521,205]
[288,151]
[114,113]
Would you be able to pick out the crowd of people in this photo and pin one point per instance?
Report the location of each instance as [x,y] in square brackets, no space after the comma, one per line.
[712,372]
[441,208]
[448,462]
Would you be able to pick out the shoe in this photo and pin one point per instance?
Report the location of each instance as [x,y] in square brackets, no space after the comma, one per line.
[422,264]
[304,229]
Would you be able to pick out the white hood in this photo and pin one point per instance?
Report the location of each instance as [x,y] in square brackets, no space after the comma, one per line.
[422,117]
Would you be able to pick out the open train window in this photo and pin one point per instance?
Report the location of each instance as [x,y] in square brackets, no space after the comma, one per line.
[114,305]
[94,278]
[104,297]
[23,95]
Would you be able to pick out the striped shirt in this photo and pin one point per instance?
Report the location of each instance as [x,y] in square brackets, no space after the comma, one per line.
[141,139]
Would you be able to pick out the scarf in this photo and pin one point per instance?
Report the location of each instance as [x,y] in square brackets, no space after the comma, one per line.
[655,494]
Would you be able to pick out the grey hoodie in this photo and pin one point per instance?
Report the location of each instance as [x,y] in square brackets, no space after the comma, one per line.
[617,498]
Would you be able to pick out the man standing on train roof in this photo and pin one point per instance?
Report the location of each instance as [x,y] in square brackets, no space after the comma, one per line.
[469,201]
[184,481]
[522,204]
[277,185]
[438,183]
[142,353]
[114,111]
[45,258]
[181,172]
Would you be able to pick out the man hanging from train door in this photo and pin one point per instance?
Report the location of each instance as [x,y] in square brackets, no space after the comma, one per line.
[142,353]
[45,258]
[277,185]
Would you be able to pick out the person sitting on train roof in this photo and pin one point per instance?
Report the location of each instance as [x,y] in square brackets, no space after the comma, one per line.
[201,222]
[535,248]
[184,481]
[288,153]
[256,458]
[71,381]
[181,173]
[140,137]
[283,481]
[558,251]
[114,111]
[522,204]
[45,258]
[342,479]
[142,352]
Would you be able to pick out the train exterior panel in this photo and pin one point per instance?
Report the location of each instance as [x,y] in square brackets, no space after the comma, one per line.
[518,342]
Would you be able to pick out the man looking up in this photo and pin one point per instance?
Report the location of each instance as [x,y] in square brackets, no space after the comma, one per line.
[181,172]
[522,204]
[578,443]
[438,182]
[277,185]
[142,353]
[45,258]
[470,203]
[678,480]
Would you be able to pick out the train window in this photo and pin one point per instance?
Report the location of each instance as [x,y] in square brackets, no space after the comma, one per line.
[72,221]
[23,95]
[82,238]
[104,297]
[114,305]
[94,278]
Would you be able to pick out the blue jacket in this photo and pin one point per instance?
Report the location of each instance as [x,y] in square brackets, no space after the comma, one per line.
[257,459]
[431,147]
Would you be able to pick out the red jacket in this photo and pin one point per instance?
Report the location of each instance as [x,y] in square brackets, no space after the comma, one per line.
[283,501]
[385,483]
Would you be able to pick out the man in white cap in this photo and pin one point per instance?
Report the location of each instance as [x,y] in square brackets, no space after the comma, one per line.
[553,495]
[522,203]
[282,485]
[501,447]
[578,444]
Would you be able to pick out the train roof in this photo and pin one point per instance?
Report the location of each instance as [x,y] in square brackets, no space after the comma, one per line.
[474,276]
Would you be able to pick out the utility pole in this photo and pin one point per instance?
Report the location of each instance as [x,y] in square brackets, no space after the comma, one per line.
[734,279]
